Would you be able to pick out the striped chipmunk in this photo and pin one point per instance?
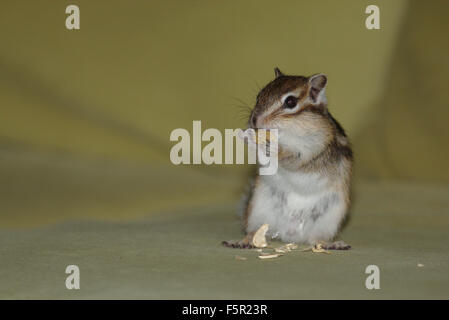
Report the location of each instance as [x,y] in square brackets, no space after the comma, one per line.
[307,199]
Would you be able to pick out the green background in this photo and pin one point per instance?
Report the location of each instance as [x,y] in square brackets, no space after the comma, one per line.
[85,120]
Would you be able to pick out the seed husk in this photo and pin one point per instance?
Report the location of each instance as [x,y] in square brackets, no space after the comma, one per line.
[259,240]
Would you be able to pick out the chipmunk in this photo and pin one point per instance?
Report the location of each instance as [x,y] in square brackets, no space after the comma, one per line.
[308,198]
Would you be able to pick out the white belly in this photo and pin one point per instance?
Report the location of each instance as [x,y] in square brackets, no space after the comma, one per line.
[301,208]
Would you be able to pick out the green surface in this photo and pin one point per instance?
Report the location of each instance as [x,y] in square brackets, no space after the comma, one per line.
[85,118]
[394,226]
[405,135]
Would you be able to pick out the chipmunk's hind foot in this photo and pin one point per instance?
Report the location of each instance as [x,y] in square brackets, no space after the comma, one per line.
[337,245]
[245,243]
[237,244]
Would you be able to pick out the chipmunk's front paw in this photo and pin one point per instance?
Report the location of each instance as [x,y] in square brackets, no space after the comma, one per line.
[337,245]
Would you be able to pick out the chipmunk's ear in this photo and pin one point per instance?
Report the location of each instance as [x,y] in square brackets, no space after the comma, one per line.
[317,85]
[278,72]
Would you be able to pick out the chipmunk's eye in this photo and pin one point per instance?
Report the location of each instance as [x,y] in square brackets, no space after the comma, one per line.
[290,102]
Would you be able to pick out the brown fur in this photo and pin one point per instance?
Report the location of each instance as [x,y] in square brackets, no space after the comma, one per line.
[336,157]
